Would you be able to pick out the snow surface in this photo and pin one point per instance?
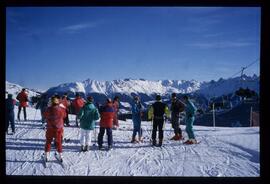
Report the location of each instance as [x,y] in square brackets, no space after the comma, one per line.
[222,152]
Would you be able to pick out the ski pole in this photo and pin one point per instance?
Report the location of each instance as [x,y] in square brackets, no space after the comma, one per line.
[95,134]
[35,115]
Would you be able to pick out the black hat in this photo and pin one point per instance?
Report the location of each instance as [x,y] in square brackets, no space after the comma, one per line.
[158,97]
[90,98]
[173,95]
[116,98]
[185,97]
[9,95]
[77,94]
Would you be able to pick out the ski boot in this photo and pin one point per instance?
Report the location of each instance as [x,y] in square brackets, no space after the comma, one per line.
[154,142]
[159,143]
[134,140]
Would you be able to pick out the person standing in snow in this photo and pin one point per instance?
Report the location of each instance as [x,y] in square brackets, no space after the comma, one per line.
[156,113]
[66,103]
[190,117]
[42,105]
[87,115]
[136,110]
[106,122]
[176,107]
[77,103]
[54,116]
[116,110]
[23,99]
[10,103]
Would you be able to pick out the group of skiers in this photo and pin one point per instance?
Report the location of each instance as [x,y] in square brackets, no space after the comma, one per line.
[158,112]
[22,98]
[54,112]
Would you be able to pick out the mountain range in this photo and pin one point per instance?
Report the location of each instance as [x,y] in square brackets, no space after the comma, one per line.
[149,88]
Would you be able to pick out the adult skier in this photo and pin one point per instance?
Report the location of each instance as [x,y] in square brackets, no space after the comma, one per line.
[190,117]
[42,105]
[65,101]
[156,113]
[10,103]
[136,118]
[106,123]
[23,99]
[116,109]
[87,115]
[77,103]
[176,107]
[54,116]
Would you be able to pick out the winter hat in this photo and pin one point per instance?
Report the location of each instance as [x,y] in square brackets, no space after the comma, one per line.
[9,95]
[185,97]
[55,100]
[158,97]
[116,98]
[77,94]
[90,99]
[173,95]
[136,98]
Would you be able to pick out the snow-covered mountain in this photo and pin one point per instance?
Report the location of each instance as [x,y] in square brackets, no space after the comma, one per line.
[15,89]
[163,87]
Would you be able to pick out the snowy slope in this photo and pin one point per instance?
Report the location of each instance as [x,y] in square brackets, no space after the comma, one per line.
[222,152]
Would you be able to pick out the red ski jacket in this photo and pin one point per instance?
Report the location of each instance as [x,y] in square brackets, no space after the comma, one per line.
[23,99]
[107,114]
[78,103]
[55,116]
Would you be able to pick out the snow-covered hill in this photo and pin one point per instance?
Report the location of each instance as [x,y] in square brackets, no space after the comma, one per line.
[222,152]
[15,89]
[163,87]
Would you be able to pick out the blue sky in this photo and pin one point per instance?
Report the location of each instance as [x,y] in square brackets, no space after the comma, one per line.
[46,46]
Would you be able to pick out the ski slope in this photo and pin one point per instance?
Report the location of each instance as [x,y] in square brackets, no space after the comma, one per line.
[222,152]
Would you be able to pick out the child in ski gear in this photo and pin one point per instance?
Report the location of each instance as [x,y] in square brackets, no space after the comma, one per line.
[190,117]
[156,112]
[106,122]
[23,99]
[87,115]
[10,103]
[54,116]
[66,103]
[42,105]
[176,107]
[116,109]
[136,110]
[78,103]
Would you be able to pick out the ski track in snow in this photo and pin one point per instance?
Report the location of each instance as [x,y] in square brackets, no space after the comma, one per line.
[222,152]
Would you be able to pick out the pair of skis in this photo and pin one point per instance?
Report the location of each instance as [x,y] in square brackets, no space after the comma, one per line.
[45,160]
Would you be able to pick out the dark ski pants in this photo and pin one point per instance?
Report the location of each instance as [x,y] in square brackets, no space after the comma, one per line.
[176,124]
[66,119]
[19,112]
[157,124]
[189,127]
[10,119]
[42,115]
[101,134]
